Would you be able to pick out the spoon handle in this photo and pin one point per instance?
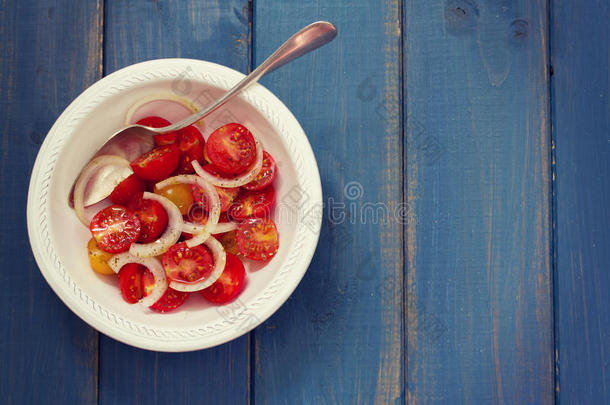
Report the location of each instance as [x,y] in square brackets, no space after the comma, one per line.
[306,40]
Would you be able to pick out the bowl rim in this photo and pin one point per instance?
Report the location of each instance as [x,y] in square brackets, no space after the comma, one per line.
[266,302]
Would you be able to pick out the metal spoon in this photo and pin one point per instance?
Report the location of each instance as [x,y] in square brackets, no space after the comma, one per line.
[306,40]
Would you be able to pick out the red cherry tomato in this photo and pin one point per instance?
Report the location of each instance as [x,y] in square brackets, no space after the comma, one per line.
[230,283]
[226,195]
[205,156]
[252,204]
[115,228]
[158,122]
[135,282]
[231,148]
[128,189]
[257,239]
[199,215]
[152,216]
[187,265]
[210,168]
[157,164]
[171,300]
[191,143]
[265,176]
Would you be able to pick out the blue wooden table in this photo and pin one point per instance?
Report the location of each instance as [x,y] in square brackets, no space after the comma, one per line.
[481,128]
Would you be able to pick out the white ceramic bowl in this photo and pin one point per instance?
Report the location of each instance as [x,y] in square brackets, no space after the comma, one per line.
[59,240]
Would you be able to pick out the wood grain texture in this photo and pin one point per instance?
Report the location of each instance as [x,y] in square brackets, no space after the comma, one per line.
[216,31]
[47,57]
[581,134]
[338,339]
[213,31]
[455,124]
[479,318]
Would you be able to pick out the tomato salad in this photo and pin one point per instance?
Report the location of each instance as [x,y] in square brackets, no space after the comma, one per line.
[186,218]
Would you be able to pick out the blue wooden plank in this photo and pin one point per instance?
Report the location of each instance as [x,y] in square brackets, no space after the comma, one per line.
[214,31]
[209,30]
[49,53]
[479,318]
[339,338]
[581,128]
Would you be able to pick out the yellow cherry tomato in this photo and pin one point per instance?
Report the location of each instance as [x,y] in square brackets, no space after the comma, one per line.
[179,194]
[98,258]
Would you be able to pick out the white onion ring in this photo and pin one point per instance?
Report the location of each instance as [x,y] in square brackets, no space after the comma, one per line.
[203,231]
[186,103]
[237,181]
[220,260]
[168,238]
[221,227]
[84,177]
[151,263]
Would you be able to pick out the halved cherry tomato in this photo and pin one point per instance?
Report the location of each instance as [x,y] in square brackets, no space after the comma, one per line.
[265,176]
[252,204]
[171,300]
[128,189]
[153,218]
[231,148]
[228,241]
[135,282]
[148,282]
[187,265]
[158,122]
[257,239]
[98,259]
[130,282]
[230,283]
[191,143]
[157,164]
[226,195]
[179,194]
[199,215]
[115,228]
[210,168]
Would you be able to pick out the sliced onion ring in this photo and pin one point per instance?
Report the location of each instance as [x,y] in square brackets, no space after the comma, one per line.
[220,259]
[160,97]
[237,181]
[84,177]
[168,238]
[221,227]
[202,232]
[151,263]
